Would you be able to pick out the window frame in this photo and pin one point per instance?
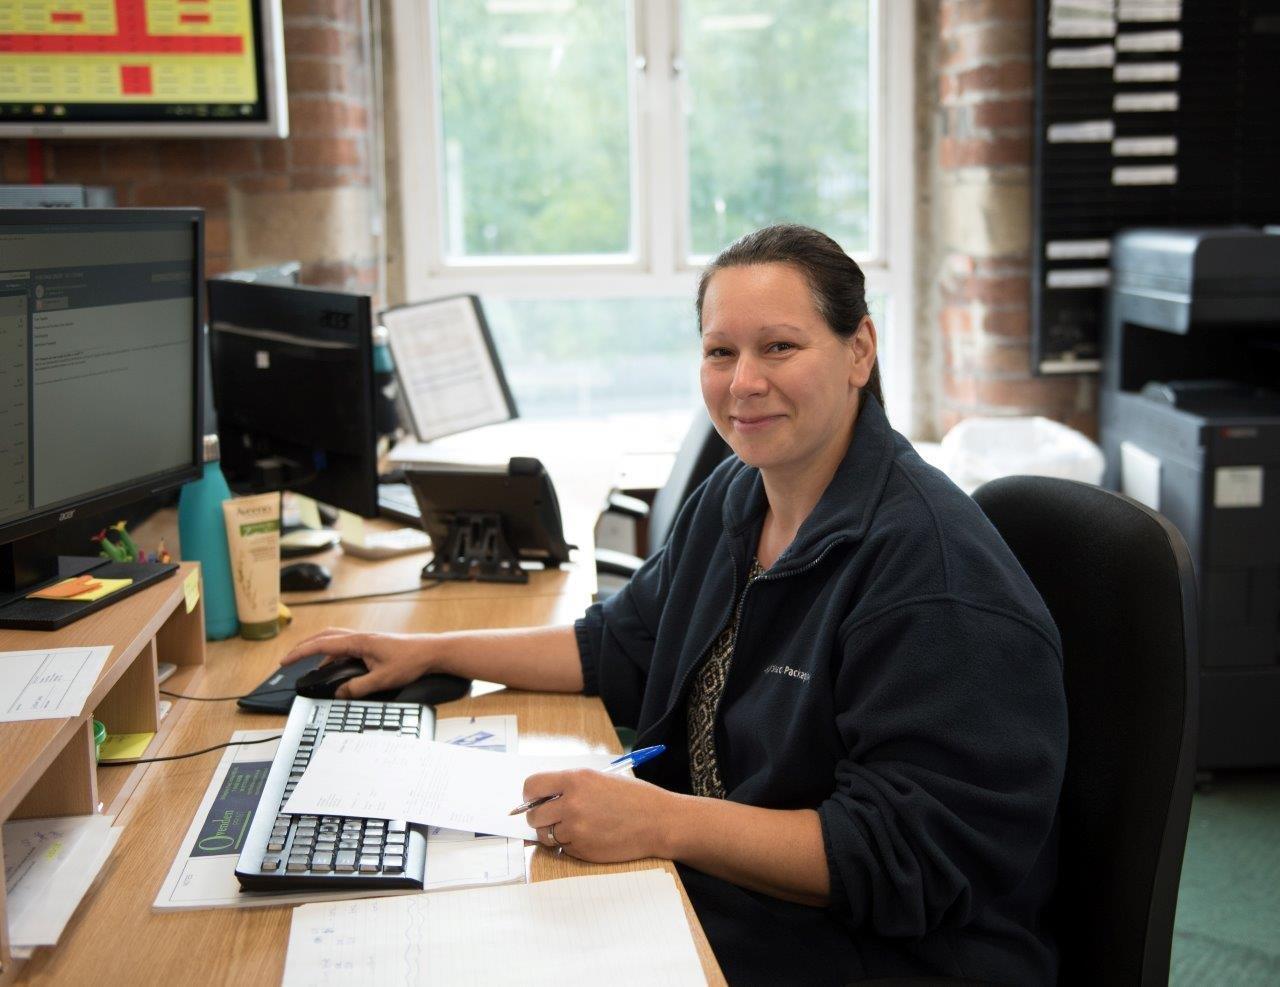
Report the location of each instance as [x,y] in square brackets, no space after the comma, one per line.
[658,265]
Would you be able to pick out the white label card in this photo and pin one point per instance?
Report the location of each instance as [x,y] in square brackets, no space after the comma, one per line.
[1140,475]
[1237,486]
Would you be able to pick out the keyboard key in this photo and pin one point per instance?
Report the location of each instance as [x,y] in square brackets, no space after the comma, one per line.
[345,862]
[348,844]
[275,844]
[270,864]
[322,862]
[296,864]
[369,864]
[393,865]
[397,826]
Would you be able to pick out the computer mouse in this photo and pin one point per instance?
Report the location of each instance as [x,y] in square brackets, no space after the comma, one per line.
[323,682]
[302,576]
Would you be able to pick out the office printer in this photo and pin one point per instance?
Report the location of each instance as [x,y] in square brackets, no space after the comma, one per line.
[1190,424]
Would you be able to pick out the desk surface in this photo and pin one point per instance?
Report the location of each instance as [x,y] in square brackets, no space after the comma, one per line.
[115,937]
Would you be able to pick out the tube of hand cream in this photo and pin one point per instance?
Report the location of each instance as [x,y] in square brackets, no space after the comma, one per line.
[253,536]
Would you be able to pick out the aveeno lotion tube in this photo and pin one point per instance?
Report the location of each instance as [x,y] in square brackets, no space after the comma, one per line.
[253,536]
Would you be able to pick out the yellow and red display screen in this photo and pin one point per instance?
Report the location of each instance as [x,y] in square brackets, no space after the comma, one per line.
[123,60]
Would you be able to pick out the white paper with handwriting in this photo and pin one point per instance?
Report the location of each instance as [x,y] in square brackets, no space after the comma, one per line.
[384,777]
[619,929]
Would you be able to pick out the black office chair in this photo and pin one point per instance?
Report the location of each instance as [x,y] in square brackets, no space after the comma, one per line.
[701,451]
[1117,578]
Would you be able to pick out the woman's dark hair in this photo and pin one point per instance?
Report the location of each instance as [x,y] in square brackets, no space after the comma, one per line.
[835,280]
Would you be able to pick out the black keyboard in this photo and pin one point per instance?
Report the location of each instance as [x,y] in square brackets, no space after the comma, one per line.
[294,853]
[396,501]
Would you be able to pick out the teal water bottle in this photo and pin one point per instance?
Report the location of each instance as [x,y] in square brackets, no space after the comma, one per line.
[203,533]
[385,389]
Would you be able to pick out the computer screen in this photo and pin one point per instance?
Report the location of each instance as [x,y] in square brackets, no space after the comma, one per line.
[203,68]
[100,321]
[292,372]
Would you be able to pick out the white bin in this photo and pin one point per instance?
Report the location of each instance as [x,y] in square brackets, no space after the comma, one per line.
[980,449]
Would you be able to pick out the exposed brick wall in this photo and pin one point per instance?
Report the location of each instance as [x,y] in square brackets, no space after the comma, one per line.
[982,172]
[316,178]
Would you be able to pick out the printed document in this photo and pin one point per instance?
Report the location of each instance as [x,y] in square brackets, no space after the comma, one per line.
[381,776]
[203,874]
[49,683]
[619,929]
[48,866]
[447,368]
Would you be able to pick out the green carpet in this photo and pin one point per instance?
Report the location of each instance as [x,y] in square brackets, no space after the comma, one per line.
[1227,930]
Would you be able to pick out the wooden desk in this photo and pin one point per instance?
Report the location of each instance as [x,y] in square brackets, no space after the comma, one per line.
[115,937]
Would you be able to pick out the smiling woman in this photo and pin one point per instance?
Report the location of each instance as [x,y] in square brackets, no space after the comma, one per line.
[782,386]
[858,688]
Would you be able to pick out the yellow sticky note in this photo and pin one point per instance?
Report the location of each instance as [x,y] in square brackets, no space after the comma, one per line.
[124,746]
[351,527]
[191,589]
[105,586]
[308,512]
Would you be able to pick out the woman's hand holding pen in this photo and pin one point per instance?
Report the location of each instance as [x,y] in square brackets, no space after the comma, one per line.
[599,817]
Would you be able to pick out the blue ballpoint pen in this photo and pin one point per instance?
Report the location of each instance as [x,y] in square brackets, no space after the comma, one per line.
[618,764]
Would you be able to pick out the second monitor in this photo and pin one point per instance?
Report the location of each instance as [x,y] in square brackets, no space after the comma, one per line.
[293,391]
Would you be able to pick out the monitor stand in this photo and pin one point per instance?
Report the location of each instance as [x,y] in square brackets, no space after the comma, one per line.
[32,563]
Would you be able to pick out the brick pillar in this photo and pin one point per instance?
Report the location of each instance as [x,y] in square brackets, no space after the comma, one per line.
[983,198]
[308,197]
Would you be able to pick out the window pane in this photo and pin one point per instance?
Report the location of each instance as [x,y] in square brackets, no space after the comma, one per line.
[579,358]
[535,105]
[778,113]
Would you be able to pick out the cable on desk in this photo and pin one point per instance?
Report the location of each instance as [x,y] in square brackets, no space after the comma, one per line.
[225,699]
[365,596]
[207,750]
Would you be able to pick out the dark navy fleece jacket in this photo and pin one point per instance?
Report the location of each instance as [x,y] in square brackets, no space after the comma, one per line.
[894,670]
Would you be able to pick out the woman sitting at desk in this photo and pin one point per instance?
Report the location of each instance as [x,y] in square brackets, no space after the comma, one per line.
[859,689]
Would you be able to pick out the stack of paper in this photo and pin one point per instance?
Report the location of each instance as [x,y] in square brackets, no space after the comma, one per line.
[48,866]
[613,928]
[384,776]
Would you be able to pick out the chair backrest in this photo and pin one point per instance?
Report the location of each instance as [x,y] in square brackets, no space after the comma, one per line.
[1117,578]
[700,453]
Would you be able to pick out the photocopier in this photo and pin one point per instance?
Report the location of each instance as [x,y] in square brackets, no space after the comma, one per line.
[1189,419]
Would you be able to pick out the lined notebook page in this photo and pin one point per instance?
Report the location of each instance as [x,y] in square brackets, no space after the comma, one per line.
[624,928]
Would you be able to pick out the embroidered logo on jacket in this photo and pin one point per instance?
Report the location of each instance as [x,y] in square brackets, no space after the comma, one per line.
[794,673]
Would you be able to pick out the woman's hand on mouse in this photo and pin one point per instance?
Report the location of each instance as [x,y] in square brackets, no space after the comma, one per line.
[393,659]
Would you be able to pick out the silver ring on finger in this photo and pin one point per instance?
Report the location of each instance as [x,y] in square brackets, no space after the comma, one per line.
[551,831]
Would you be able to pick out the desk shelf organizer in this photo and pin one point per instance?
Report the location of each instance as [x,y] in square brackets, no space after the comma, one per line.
[48,767]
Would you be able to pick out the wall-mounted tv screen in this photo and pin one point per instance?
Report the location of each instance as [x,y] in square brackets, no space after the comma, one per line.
[116,68]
